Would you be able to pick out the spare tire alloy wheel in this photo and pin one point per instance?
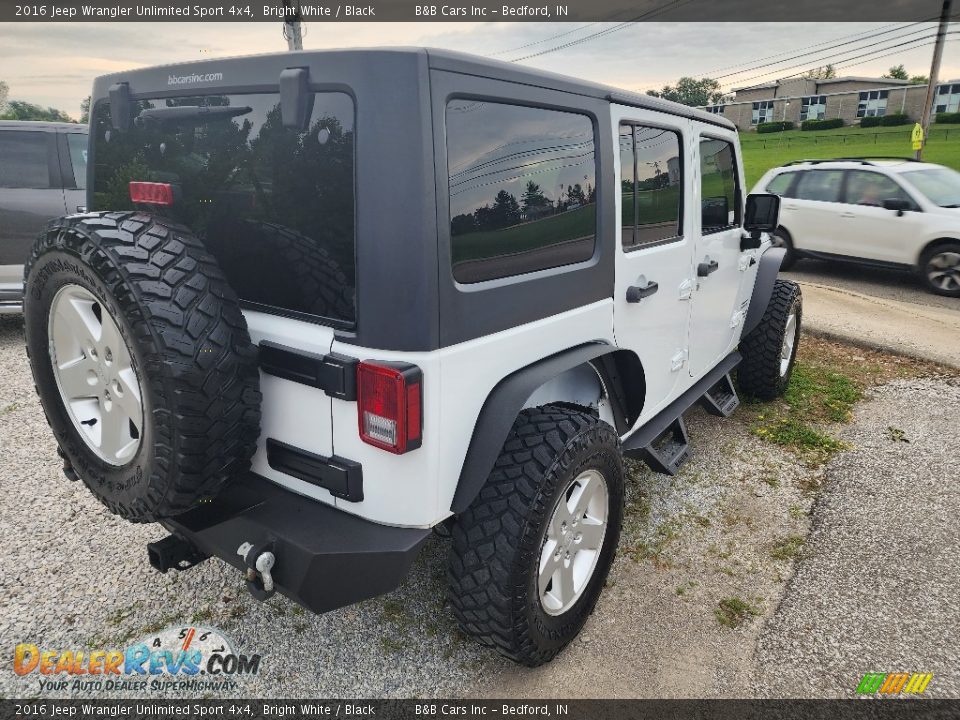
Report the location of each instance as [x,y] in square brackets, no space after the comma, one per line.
[142,361]
[95,376]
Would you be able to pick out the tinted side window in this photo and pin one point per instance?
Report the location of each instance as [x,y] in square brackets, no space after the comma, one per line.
[78,158]
[870,188]
[522,186]
[653,190]
[820,185]
[781,183]
[23,160]
[719,186]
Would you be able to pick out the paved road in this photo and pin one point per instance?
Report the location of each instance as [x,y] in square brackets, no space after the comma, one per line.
[884,309]
[877,590]
[897,285]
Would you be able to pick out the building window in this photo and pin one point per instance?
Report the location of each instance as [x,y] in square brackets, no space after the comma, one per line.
[813,108]
[715,109]
[522,189]
[873,103]
[651,186]
[762,112]
[948,99]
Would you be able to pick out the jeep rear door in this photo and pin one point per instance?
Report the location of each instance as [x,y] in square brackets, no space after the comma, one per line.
[654,252]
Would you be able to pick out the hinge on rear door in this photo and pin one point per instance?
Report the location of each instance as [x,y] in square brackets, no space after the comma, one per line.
[333,373]
[686,289]
[677,361]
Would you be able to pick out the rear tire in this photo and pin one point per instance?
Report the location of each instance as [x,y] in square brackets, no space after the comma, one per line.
[770,349]
[147,291]
[940,269]
[524,573]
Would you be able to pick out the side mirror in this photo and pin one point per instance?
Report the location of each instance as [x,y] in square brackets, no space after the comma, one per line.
[762,213]
[901,206]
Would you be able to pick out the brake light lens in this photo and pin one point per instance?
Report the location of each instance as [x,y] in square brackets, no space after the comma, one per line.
[389,405]
[150,193]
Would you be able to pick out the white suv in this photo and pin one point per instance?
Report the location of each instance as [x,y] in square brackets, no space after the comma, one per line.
[880,211]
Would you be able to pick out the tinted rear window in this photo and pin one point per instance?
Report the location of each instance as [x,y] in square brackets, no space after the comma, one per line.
[23,159]
[522,189]
[274,205]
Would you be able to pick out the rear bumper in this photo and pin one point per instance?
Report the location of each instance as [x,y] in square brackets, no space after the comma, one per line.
[325,558]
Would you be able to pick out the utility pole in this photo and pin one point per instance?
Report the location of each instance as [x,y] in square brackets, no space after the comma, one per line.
[934,73]
[291,25]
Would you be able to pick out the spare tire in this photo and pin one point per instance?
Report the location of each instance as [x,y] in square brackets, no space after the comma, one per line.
[142,361]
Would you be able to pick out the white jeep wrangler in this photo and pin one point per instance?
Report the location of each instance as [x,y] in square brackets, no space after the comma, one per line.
[329,301]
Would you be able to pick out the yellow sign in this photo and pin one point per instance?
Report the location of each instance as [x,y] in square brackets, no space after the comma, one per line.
[917,136]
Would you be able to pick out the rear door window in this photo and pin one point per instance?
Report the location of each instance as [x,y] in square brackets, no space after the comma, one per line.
[820,185]
[77,144]
[651,185]
[273,204]
[522,184]
[24,160]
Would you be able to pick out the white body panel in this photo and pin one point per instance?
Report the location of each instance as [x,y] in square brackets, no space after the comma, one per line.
[416,489]
[864,231]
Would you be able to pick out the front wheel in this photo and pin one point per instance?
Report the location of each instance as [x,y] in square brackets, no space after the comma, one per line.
[531,554]
[770,349]
[940,268]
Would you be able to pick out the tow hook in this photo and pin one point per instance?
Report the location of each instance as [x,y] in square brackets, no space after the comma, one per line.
[259,560]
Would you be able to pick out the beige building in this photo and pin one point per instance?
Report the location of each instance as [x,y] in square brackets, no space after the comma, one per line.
[849,98]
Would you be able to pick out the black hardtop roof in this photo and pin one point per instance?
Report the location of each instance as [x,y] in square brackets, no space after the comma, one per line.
[42,125]
[439,59]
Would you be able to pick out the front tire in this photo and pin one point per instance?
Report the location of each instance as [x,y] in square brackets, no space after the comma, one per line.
[770,349]
[940,268]
[531,554]
[142,361]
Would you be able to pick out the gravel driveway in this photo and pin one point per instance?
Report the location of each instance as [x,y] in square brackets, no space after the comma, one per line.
[74,577]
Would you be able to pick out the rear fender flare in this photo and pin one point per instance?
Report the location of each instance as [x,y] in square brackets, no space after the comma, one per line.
[501,408]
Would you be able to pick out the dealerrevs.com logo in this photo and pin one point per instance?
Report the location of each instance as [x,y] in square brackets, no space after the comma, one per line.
[176,658]
[193,78]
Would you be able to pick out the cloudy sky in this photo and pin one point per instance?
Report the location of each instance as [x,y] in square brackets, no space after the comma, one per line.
[53,64]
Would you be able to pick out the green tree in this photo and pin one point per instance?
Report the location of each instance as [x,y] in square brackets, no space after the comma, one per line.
[897,72]
[690,91]
[85,110]
[533,197]
[505,210]
[19,110]
[821,73]
[919,79]
[4,92]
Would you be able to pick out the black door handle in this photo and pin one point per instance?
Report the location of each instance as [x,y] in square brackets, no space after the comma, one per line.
[635,293]
[705,268]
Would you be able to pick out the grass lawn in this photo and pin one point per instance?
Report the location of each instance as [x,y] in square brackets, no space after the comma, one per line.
[762,152]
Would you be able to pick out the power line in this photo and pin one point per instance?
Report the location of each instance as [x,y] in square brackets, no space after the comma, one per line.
[672,4]
[834,57]
[539,42]
[845,62]
[758,62]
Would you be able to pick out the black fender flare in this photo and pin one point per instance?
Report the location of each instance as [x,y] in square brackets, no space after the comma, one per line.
[501,408]
[769,268]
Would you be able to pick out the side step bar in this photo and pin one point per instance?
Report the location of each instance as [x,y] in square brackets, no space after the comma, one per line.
[662,442]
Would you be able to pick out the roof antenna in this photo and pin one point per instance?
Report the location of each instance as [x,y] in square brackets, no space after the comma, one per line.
[291,24]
